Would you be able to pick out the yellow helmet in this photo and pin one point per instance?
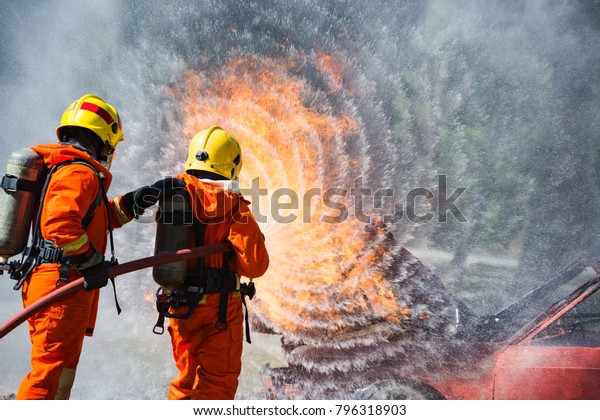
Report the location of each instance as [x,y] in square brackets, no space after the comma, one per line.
[215,150]
[93,113]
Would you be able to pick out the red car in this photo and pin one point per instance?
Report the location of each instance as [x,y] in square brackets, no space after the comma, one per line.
[546,345]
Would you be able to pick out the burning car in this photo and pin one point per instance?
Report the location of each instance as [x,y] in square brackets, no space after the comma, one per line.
[545,345]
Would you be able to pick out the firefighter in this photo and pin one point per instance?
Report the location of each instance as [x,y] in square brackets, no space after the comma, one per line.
[75,218]
[207,345]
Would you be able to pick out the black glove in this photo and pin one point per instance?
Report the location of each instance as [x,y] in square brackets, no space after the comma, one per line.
[96,276]
[135,202]
[145,197]
[168,186]
[93,267]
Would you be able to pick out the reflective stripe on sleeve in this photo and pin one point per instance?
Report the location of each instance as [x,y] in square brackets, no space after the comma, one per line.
[122,215]
[76,245]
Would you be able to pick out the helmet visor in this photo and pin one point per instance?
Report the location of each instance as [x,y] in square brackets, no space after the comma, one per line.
[106,160]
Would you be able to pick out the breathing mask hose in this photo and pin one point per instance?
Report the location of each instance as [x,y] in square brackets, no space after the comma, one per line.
[117,270]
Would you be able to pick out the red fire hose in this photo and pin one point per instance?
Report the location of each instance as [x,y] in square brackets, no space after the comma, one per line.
[117,270]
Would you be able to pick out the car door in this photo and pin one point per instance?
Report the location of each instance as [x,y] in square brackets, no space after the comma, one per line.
[558,360]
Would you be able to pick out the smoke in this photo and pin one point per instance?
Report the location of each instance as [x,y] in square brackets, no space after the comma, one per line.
[464,88]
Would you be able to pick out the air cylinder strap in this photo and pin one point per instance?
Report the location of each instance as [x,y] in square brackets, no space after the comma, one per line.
[12,183]
[221,324]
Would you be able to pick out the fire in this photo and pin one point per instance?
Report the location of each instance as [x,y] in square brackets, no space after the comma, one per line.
[331,69]
[324,278]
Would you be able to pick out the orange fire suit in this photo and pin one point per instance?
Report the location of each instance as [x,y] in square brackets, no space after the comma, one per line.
[57,332]
[210,359]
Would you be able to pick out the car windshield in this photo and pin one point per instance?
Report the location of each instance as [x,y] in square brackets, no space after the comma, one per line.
[504,323]
[579,326]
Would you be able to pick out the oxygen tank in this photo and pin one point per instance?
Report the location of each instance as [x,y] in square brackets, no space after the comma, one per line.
[173,232]
[19,197]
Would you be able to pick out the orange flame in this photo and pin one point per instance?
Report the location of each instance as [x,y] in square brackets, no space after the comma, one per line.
[323,277]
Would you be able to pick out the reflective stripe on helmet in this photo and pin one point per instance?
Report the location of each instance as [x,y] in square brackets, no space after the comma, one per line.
[88,106]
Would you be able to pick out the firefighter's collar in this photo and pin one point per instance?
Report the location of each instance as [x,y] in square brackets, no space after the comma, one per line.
[232,186]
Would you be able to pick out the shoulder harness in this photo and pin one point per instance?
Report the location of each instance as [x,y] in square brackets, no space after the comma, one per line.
[43,251]
[200,281]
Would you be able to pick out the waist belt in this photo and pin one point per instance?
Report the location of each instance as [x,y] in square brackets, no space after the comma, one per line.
[199,282]
[50,254]
[211,280]
[46,252]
